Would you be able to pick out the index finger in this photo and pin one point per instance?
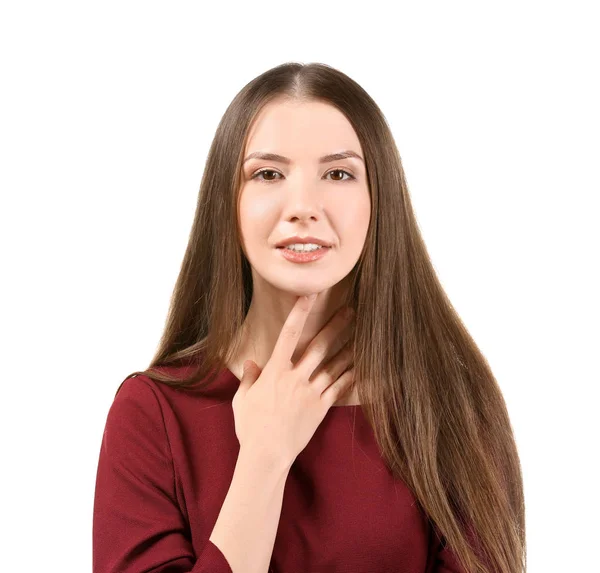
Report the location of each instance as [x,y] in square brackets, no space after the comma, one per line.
[291,330]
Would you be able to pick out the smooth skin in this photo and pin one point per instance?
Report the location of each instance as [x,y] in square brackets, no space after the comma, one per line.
[298,350]
[277,411]
[304,197]
[280,409]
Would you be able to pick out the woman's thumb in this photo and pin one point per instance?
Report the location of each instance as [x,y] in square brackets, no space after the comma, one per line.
[249,375]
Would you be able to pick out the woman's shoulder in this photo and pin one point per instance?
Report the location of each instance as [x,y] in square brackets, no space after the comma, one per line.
[211,390]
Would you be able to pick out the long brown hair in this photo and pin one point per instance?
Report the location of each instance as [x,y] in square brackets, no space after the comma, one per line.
[436,410]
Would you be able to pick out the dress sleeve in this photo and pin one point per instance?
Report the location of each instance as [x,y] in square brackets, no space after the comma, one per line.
[137,523]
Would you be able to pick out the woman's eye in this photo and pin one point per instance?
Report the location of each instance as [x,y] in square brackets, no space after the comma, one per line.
[258,175]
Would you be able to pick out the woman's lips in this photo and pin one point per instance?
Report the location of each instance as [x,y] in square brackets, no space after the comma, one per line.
[308,257]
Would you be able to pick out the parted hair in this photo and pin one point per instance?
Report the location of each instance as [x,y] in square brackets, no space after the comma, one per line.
[436,410]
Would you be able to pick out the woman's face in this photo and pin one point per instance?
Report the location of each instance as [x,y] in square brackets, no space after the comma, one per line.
[304,197]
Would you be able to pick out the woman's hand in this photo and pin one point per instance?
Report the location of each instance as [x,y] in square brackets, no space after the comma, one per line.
[277,410]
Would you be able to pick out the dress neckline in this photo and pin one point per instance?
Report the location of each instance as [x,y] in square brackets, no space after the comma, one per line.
[341,407]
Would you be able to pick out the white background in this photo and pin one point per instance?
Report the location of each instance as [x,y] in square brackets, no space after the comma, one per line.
[107,113]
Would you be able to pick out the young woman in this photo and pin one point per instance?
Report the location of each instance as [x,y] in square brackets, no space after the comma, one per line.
[376,442]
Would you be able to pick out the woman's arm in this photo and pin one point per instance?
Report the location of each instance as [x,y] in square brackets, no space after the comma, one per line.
[247,524]
[137,522]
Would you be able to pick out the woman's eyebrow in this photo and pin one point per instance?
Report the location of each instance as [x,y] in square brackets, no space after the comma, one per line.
[325,159]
